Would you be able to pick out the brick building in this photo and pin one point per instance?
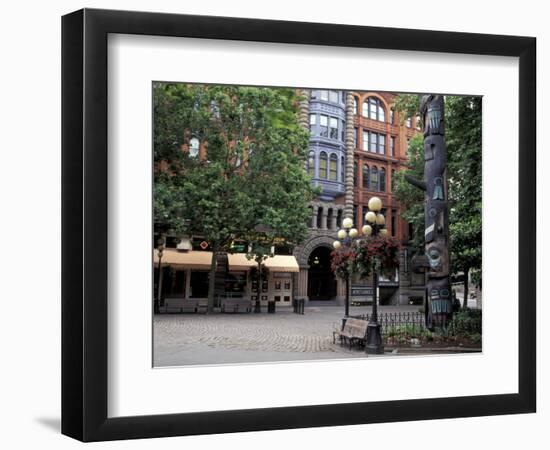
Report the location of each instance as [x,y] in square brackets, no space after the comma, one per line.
[357,144]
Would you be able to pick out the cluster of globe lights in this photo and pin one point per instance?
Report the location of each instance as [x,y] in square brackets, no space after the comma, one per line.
[373,217]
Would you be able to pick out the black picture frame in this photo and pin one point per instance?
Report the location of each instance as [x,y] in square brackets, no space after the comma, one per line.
[84,224]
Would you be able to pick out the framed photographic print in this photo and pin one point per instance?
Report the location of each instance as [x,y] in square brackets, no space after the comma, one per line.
[274,225]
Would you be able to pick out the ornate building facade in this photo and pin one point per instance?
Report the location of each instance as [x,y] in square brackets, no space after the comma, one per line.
[357,145]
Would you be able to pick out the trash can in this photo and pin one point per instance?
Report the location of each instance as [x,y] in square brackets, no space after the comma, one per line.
[298,303]
[271,306]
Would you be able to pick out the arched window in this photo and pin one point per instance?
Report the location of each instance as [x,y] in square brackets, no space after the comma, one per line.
[374,109]
[311,164]
[366,177]
[374,179]
[333,172]
[342,169]
[323,165]
[354,105]
[194,145]
[383,179]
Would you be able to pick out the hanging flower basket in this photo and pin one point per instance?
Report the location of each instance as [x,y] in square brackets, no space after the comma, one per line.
[342,261]
[377,252]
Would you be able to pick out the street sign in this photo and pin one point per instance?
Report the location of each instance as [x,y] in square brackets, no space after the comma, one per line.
[361,294]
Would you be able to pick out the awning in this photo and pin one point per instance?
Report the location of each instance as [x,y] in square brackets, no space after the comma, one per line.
[277,263]
[237,261]
[187,260]
[282,263]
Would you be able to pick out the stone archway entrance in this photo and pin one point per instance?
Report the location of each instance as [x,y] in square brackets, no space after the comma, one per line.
[321,280]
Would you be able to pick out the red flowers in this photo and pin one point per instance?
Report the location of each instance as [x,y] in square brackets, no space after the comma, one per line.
[364,254]
[342,261]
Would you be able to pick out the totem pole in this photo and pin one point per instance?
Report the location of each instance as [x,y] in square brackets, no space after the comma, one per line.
[438,306]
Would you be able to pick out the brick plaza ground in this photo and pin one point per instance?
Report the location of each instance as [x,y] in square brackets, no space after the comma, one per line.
[198,339]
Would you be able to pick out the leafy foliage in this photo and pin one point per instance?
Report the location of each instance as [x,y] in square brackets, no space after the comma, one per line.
[377,253]
[410,197]
[250,171]
[463,140]
[465,322]
[342,261]
[365,255]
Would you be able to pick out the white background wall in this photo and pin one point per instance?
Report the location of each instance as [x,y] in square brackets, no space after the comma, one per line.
[30,226]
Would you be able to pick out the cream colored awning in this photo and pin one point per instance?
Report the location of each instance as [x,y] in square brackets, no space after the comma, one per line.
[187,260]
[237,261]
[277,263]
[282,263]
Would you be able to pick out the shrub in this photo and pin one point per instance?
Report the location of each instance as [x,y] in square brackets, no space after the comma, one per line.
[466,322]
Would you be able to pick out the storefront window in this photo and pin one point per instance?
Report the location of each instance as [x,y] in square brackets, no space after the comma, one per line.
[235,283]
[199,284]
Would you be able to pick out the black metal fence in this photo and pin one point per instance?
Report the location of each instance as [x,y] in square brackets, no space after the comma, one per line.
[414,321]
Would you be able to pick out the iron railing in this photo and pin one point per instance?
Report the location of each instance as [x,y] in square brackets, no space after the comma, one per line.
[391,321]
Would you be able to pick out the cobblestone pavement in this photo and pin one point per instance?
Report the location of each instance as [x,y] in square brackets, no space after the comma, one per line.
[184,339]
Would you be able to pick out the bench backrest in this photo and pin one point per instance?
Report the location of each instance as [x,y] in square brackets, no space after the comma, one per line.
[180,302]
[230,301]
[356,327]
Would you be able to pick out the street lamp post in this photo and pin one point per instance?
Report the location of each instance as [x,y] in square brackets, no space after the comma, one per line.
[160,250]
[376,222]
[375,226]
[345,237]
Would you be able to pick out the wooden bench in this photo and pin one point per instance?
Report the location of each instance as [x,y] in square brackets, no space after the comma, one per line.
[354,331]
[235,304]
[182,305]
[202,305]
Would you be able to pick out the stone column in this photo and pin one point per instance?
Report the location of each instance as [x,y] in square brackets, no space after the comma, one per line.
[333,219]
[304,108]
[314,217]
[302,282]
[324,215]
[350,155]
[303,117]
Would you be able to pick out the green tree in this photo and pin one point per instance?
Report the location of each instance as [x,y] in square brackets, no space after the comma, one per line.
[463,140]
[252,173]
[412,198]
[463,116]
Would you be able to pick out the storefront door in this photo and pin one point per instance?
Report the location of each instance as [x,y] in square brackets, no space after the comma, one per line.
[280,288]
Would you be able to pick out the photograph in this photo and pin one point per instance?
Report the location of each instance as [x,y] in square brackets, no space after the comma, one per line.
[299,224]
